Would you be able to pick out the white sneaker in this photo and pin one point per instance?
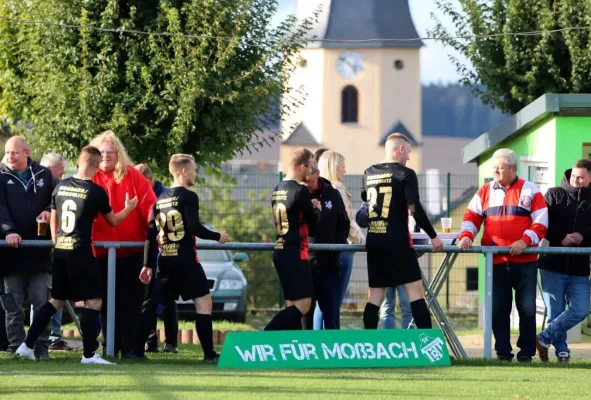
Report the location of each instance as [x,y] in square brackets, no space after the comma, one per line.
[96,359]
[24,352]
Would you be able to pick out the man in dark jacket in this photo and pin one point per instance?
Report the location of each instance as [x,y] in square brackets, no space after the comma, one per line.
[333,228]
[565,278]
[25,197]
[170,315]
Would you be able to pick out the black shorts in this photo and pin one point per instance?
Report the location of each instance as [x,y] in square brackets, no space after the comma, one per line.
[392,266]
[173,279]
[294,273]
[76,275]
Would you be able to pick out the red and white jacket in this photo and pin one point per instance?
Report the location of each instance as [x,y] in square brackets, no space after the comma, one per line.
[509,214]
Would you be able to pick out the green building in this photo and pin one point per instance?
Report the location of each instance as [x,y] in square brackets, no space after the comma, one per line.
[547,136]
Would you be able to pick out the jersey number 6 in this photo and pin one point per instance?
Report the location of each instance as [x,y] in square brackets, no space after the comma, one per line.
[372,197]
[174,224]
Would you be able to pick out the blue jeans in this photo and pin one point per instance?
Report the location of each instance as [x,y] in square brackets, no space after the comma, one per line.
[326,292]
[560,290]
[387,317]
[345,268]
[523,278]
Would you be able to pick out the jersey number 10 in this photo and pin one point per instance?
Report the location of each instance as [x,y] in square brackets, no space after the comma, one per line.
[280,217]
[372,198]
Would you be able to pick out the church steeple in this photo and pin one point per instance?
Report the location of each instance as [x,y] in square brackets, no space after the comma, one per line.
[361,20]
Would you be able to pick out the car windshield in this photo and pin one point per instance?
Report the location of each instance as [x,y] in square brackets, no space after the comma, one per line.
[211,255]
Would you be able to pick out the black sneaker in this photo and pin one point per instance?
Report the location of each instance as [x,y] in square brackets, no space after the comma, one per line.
[42,355]
[524,359]
[214,359]
[168,348]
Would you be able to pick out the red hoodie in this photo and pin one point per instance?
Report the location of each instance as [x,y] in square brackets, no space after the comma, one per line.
[135,227]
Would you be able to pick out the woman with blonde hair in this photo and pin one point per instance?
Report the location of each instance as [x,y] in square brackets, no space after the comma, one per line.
[332,167]
[120,180]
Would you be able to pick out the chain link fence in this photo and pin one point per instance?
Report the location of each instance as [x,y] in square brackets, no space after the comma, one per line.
[241,206]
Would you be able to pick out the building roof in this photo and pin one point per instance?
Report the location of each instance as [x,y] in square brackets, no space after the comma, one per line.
[399,127]
[301,136]
[360,20]
[540,109]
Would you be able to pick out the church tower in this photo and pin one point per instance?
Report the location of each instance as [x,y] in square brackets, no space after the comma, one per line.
[356,93]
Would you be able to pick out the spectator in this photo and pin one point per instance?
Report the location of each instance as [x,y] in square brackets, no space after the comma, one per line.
[565,278]
[334,228]
[332,168]
[157,186]
[387,315]
[56,165]
[118,177]
[25,197]
[515,215]
[170,313]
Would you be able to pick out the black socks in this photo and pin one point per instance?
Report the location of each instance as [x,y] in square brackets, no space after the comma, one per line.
[90,326]
[421,315]
[40,321]
[205,332]
[371,316]
[288,319]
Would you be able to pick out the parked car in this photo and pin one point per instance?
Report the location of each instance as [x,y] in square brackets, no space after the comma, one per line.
[227,284]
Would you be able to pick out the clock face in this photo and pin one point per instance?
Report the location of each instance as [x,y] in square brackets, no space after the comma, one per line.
[350,64]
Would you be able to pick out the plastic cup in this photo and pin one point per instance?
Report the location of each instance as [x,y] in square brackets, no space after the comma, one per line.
[41,227]
[446,225]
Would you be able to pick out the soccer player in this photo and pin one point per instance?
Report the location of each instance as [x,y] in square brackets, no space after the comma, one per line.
[175,221]
[294,213]
[392,190]
[76,202]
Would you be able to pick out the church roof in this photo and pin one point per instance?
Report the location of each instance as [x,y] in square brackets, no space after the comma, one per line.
[301,136]
[399,127]
[361,20]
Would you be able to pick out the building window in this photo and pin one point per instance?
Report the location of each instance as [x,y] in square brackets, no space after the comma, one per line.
[349,104]
[472,278]
[398,64]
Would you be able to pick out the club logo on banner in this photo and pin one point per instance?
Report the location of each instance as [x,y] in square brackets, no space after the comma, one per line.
[385,348]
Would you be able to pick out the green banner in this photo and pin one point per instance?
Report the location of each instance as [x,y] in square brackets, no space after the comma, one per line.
[385,348]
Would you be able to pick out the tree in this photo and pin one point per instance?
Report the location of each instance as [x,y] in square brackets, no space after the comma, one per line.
[207,94]
[246,220]
[517,69]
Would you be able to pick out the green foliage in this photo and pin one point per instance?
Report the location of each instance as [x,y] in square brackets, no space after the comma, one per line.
[245,221]
[162,94]
[517,69]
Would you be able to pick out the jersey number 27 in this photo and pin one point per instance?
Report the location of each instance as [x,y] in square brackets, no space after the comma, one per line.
[372,198]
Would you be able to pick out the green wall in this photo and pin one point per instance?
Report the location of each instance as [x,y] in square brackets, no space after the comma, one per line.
[571,133]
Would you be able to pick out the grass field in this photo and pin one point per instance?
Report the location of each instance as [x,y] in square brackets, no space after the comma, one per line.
[183,375]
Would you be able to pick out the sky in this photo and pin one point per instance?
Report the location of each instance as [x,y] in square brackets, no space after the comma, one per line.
[435,65]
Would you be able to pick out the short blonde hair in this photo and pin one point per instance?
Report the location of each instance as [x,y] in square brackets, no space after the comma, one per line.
[300,156]
[123,160]
[329,163]
[178,162]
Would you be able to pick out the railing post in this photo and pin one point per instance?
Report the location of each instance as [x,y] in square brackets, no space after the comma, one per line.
[112,261]
[488,303]
[448,215]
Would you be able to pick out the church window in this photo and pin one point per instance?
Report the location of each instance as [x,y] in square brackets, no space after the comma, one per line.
[349,104]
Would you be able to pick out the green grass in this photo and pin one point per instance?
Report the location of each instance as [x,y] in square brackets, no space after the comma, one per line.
[183,375]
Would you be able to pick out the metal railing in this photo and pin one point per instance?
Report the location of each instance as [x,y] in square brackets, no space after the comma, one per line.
[487,251]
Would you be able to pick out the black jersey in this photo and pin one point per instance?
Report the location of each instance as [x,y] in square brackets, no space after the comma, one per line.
[77,203]
[176,221]
[293,215]
[389,189]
